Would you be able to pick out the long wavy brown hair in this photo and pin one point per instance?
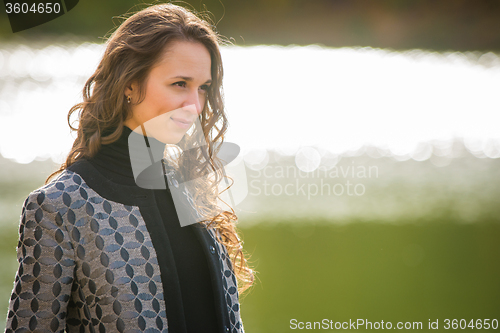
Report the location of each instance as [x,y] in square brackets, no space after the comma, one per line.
[131,52]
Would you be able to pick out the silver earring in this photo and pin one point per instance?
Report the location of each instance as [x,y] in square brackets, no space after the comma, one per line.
[129,99]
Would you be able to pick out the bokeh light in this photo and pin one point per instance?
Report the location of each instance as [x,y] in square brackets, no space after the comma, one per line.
[408,105]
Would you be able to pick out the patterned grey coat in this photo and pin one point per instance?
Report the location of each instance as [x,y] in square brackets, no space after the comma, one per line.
[88,264]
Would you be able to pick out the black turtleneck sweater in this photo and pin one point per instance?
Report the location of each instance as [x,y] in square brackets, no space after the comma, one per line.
[113,161]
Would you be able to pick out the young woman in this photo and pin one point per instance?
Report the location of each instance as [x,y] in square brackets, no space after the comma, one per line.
[102,250]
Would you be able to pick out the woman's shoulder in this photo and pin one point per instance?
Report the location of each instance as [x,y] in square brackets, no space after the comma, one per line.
[65,187]
[81,188]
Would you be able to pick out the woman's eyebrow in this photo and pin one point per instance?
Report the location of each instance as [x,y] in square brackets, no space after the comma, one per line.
[188,78]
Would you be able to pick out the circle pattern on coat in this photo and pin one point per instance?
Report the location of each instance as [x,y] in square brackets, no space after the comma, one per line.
[88,256]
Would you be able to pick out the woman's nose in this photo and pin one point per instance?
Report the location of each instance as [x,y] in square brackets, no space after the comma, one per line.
[193,103]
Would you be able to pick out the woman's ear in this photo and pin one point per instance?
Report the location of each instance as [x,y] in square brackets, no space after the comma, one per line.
[131,89]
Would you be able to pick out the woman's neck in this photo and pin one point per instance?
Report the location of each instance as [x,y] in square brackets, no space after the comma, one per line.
[122,160]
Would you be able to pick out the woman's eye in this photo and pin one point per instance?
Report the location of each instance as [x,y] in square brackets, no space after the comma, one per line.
[205,87]
[180,84]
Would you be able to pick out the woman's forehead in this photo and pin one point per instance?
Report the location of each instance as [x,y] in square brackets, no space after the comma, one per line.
[186,59]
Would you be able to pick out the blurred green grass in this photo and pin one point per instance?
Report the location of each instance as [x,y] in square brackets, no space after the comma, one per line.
[372,271]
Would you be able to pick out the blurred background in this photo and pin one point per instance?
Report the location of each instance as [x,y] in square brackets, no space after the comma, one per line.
[370,149]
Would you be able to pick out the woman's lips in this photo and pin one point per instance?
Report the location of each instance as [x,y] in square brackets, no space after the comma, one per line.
[183,123]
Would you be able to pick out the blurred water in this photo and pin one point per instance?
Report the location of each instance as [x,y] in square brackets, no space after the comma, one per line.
[285,98]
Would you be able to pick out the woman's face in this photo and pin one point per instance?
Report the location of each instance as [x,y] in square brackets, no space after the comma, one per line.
[176,92]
